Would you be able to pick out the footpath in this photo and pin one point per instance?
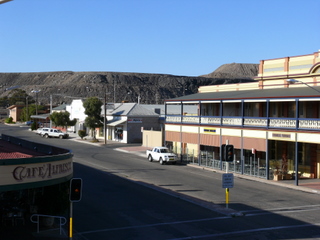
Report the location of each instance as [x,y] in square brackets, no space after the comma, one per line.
[306,185]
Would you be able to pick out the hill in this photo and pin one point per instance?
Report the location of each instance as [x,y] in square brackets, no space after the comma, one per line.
[151,88]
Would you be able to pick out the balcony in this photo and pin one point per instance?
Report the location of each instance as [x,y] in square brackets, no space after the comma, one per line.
[249,122]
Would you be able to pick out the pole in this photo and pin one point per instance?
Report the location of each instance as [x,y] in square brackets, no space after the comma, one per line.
[70,223]
[105,116]
[227,170]
[50,110]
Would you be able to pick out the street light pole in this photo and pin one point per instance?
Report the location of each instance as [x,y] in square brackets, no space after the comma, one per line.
[50,110]
[104,118]
[36,91]
[298,81]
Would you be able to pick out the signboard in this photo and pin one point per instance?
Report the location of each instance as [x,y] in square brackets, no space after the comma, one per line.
[134,120]
[227,180]
[35,172]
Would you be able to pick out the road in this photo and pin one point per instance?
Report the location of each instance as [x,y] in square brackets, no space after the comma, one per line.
[127,197]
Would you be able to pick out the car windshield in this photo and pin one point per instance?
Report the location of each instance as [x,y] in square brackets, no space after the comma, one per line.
[164,150]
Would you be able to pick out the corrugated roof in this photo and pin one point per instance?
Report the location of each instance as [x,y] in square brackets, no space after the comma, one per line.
[297,92]
[130,109]
[139,110]
[60,107]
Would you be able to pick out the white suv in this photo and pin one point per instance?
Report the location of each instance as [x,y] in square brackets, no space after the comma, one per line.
[52,132]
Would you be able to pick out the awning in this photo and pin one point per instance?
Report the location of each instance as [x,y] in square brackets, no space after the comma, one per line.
[42,116]
[115,122]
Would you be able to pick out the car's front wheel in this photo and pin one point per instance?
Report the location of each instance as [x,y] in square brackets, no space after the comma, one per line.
[161,161]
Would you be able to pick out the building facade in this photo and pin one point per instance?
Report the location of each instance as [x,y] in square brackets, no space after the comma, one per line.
[273,122]
[34,186]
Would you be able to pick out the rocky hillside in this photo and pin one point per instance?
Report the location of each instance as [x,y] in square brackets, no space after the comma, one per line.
[151,88]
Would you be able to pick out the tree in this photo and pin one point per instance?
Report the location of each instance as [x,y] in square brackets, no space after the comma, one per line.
[93,111]
[18,96]
[62,119]
[27,112]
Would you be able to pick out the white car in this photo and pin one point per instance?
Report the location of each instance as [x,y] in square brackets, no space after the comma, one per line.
[52,132]
[161,154]
[39,131]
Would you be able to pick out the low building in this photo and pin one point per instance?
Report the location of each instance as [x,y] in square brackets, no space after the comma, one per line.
[15,112]
[126,122]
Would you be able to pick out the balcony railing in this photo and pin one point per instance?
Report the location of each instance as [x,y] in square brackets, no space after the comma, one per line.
[281,123]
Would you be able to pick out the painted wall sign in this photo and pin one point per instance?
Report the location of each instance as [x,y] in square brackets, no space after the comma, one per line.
[281,135]
[209,130]
[30,173]
[134,120]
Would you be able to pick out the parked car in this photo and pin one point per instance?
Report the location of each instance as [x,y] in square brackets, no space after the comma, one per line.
[39,130]
[161,154]
[52,132]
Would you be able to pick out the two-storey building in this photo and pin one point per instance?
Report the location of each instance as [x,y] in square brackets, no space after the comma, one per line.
[273,123]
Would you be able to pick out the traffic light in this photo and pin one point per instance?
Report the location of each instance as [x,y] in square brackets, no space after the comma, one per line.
[229,153]
[75,189]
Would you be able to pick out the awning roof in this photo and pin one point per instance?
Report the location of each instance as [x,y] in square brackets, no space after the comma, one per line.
[42,116]
[115,122]
[296,92]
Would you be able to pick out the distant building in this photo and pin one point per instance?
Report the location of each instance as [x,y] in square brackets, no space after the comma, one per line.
[15,112]
[126,121]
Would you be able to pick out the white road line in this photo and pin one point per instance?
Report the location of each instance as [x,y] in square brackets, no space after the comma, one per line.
[247,231]
[153,225]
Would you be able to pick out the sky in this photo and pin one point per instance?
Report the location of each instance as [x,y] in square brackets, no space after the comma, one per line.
[179,37]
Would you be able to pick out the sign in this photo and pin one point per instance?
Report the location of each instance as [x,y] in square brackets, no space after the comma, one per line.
[227,180]
[36,172]
[134,120]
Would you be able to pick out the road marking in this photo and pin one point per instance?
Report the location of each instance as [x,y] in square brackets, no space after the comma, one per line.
[153,225]
[247,231]
[304,208]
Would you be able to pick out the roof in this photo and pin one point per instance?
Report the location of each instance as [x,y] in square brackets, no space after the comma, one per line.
[130,109]
[42,116]
[172,110]
[60,107]
[296,92]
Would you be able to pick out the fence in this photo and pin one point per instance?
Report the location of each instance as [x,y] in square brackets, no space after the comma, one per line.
[247,166]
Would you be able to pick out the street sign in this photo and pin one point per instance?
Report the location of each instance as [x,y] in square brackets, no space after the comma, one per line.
[227,180]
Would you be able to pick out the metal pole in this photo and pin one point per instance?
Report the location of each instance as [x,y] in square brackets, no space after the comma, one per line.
[227,170]
[70,223]
[50,110]
[105,116]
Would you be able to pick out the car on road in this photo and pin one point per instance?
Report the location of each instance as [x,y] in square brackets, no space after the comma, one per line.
[161,154]
[52,132]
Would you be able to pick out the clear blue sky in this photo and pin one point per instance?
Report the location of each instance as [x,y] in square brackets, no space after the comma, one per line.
[180,37]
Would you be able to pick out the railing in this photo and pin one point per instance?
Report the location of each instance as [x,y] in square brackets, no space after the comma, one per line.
[211,120]
[309,124]
[282,123]
[287,123]
[35,218]
[255,122]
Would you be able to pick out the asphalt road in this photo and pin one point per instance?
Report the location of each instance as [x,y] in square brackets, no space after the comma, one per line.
[127,197]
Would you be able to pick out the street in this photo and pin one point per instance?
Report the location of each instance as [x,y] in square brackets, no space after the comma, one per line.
[127,197]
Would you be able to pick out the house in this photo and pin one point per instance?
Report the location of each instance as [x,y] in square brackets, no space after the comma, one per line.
[15,112]
[273,123]
[126,121]
[76,111]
